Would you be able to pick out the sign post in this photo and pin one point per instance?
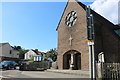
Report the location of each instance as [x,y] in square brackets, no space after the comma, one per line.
[90,31]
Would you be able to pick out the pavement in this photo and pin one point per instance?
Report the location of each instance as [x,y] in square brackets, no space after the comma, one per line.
[74,72]
[1,74]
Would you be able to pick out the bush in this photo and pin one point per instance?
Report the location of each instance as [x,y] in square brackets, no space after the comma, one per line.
[43,65]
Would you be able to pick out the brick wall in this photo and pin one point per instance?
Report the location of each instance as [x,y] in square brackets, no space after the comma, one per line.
[106,40]
[79,35]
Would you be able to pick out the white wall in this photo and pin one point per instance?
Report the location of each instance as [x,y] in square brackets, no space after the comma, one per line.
[15,53]
[5,51]
[29,54]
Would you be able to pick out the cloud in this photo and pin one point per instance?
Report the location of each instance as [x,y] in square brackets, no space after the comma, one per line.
[107,8]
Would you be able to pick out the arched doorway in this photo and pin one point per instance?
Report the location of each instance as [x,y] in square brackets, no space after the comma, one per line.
[72,60]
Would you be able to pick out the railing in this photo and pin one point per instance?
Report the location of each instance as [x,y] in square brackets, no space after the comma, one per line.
[108,71]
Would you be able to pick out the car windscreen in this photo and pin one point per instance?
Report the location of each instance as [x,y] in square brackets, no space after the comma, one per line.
[24,62]
[5,62]
[13,62]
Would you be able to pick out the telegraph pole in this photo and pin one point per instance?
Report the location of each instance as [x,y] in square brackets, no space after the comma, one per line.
[90,31]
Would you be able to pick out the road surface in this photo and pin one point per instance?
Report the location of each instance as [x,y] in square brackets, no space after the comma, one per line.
[39,75]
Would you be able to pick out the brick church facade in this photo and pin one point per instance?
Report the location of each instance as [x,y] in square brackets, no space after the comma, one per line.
[73,50]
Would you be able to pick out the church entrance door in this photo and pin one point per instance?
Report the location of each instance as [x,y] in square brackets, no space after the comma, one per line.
[72,60]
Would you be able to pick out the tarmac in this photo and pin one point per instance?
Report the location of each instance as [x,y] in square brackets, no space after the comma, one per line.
[74,72]
[82,73]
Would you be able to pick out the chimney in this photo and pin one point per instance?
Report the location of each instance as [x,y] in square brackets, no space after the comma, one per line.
[36,49]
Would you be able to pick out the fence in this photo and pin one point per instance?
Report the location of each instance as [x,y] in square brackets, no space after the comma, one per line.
[108,71]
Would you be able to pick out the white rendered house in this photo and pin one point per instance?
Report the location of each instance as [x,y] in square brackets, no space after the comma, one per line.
[29,54]
[7,52]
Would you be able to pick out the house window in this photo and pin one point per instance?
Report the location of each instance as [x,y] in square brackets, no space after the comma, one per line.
[10,52]
[37,58]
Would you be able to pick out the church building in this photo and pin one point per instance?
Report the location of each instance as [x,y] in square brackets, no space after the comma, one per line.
[73,50]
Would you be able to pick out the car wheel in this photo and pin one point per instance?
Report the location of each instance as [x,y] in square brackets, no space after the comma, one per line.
[14,67]
[7,68]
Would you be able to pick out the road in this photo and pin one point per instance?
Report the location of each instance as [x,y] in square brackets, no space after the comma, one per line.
[36,74]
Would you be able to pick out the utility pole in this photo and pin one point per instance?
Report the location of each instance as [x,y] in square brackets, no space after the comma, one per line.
[90,31]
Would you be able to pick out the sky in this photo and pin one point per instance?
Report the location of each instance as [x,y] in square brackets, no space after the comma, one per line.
[107,8]
[32,25]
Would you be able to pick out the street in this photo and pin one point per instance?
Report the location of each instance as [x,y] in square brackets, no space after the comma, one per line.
[36,74]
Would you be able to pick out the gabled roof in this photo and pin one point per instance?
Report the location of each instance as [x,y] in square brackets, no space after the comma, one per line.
[31,51]
[2,44]
[97,17]
[37,52]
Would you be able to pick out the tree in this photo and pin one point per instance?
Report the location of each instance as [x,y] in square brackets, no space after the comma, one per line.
[52,53]
[21,51]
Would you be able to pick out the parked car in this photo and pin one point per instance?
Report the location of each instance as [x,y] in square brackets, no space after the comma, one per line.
[23,62]
[8,65]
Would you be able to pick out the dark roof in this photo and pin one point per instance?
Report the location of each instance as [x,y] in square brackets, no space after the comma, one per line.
[97,17]
[37,52]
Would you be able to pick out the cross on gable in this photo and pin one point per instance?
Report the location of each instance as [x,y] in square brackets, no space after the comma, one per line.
[70,39]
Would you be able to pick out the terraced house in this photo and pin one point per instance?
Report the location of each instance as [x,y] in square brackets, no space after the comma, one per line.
[7,52]
[73,48]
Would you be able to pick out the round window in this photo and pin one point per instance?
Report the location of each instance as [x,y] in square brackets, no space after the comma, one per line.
[71,18]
